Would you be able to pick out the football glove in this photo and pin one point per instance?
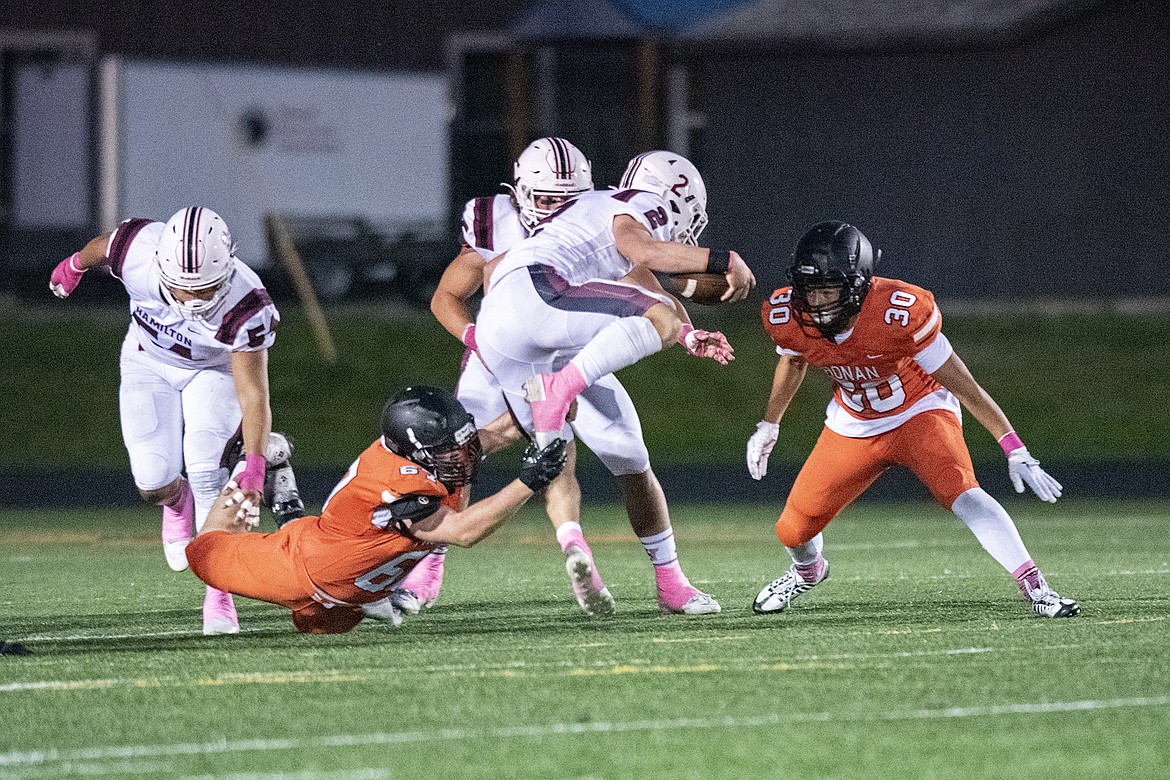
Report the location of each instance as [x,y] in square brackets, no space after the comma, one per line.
[759,447]
[541,467]
[706,344]
[66,276]
[1023,469]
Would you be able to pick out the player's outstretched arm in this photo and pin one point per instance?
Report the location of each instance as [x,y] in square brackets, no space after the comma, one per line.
[67,274]
[637,245]
[786,380]
[476,522]
[250,374]
[462,278]
[1023,469]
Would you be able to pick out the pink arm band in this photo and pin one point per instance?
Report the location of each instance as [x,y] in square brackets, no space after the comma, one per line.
[1010,442]
[686,331]
[252,477]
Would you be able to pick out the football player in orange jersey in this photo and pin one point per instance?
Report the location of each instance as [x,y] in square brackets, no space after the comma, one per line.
[898,385]
[399,499]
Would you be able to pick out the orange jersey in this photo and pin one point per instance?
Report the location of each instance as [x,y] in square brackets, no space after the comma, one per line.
[348,552]
[878,383]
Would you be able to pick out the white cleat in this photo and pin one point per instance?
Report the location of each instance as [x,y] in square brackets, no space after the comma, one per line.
[176,554]
[384,610]
[699,603]
[406,601]
[780,592]
[1048,603]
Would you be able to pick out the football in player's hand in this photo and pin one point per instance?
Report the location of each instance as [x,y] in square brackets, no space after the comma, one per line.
[702,288]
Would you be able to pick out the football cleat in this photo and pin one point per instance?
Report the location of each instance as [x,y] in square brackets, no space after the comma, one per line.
[281,495]
[385,610]
[779,593]
[1048,603]
[406,601]
[696,603]
[592,595]
[219,613]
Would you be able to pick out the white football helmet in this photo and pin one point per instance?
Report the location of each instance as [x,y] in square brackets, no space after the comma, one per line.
[678,182]
[552,167]
[196,253]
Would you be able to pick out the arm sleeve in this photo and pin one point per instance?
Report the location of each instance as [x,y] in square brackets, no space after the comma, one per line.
[934,354]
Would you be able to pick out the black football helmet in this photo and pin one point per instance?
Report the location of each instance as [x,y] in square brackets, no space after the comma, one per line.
[831,256]
[430,427]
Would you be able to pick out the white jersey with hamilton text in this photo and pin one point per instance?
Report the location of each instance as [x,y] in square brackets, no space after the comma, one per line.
[244,322]
[578,242]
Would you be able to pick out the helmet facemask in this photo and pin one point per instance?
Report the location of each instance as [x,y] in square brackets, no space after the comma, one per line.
[832,317]
[197,308]
[454,463]
[195,253]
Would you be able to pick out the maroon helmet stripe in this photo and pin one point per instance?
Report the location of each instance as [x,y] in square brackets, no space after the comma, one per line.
[483,225]
[564,163]
[243,311]
[123,236]
[628,179]
[190,264]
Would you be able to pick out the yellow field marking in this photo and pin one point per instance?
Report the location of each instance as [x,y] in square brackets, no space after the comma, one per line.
[652,669]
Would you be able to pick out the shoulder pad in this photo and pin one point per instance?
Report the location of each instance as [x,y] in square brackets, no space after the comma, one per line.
[401,513]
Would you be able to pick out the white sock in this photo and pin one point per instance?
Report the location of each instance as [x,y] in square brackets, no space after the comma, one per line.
[617,345]
[205,485]
[808,552]
[660,547]
[993,527]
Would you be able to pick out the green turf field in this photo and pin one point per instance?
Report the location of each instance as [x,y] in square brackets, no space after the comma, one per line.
[915,660]
[1077,387]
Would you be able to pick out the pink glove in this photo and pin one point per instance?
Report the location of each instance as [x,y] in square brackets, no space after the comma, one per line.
[66,276]
[706,344]
[251,479]
[468,337]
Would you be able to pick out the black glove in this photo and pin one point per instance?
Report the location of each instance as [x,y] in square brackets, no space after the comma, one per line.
[541,467]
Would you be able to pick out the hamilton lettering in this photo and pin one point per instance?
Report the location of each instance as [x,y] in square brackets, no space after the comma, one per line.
[156,327]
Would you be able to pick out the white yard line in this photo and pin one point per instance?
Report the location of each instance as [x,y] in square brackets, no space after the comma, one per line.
[35,758]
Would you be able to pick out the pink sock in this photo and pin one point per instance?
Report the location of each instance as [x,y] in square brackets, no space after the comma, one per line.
[179,514]
[571,379]
[1027,576]
[670,577]
[811,572]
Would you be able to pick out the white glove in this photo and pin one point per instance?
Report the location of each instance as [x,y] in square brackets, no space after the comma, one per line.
[1024,469]
[759,447]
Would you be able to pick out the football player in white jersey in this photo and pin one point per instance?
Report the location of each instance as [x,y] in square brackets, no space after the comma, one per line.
[194,367]
[578,299]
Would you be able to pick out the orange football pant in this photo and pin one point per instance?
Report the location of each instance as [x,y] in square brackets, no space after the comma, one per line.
[839,469]
[264,567]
